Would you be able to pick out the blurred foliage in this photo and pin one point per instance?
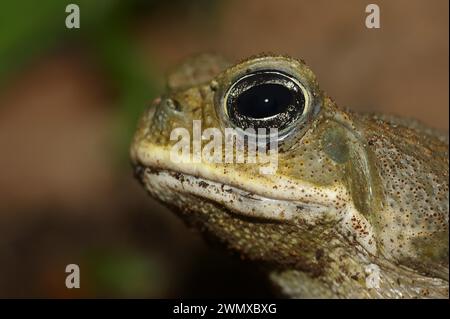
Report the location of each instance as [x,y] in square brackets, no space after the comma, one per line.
[28,29]
[124,272]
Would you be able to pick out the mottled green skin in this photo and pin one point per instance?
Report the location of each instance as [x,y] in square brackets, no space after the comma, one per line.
[352,192]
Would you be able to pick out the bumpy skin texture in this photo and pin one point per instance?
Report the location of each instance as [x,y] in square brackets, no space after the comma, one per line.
[358,207]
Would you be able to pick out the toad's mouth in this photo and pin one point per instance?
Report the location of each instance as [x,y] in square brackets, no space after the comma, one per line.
[164,184]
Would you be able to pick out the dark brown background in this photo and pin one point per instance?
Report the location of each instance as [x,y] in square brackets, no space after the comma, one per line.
[66,193]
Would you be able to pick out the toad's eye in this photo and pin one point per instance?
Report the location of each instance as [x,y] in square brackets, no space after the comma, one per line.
[267,98]
[264,99]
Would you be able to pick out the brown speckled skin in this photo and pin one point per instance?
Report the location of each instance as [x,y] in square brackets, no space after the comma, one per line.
[361,191]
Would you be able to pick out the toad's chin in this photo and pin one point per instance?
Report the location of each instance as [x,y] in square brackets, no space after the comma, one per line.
[171,187]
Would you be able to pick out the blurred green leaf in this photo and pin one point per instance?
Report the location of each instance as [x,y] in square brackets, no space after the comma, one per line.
[28,28]
[124,272]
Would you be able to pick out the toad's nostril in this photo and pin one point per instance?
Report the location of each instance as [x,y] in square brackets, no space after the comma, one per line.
[177,105]
[174,105]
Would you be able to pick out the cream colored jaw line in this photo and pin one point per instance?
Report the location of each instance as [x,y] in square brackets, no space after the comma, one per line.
[234,199]
[150,155]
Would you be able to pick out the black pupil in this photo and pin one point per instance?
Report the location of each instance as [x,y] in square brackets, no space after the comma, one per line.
[264,100]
